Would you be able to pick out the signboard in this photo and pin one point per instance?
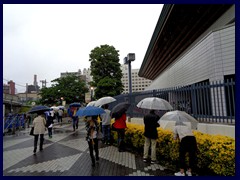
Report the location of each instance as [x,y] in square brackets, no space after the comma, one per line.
[87,97]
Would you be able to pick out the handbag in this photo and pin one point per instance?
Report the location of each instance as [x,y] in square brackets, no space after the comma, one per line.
[31,131]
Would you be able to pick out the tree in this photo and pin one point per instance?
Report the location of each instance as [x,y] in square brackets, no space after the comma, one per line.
[71,88]
[106,71]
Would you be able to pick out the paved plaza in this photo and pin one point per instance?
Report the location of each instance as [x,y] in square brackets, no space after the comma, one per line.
[67,154]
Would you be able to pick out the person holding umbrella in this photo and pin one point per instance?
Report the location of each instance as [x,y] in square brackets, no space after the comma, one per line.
[150,133]
[72,113]
[106,121]
[92,128]
[39,124]
[49,124]
[120,126]
[188,145]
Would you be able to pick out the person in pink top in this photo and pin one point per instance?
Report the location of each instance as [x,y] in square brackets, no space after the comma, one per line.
[120,126]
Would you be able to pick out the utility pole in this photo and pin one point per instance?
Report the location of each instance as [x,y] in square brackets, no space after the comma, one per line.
[44,83]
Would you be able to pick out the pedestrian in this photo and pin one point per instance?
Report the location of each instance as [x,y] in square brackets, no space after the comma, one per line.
[28,120]
[120,126]
[49,124]
[92,128]
[39,124]
[188,145]
[151,135]
[52,114]
[72,113]
[106,121]
[60,113]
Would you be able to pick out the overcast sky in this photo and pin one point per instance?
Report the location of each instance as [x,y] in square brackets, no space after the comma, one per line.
[49,39]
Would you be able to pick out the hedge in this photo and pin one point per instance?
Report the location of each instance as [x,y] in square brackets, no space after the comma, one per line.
[216,153]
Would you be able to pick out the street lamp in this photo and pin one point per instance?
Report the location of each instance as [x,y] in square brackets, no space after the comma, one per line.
[61,101]
[91,93]
[127,60]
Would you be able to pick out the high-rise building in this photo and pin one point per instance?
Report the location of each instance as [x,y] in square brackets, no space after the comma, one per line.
[87,73]
[78,74]
[138,83]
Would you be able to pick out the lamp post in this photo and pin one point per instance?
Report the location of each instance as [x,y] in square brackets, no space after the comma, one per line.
[91,93]
[127,60]
[62,101]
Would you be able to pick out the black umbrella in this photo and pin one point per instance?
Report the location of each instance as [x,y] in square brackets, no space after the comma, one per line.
[37,109]
[75,104]
[119,109]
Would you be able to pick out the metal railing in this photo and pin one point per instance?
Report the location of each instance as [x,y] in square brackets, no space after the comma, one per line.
[208,102]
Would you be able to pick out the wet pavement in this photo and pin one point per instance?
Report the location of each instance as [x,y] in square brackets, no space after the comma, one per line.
[67,154]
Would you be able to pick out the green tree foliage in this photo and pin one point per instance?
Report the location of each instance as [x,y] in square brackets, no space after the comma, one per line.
[106,71]
[71,88]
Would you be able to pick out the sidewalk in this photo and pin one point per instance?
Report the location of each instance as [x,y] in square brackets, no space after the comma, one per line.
[66,154]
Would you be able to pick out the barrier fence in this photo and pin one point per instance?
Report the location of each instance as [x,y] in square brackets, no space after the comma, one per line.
[208,102]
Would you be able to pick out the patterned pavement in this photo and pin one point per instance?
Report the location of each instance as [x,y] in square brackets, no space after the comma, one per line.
[66,154]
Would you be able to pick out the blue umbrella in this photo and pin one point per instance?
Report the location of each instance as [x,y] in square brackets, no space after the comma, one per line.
[37,109]
[90,111]
[75,104]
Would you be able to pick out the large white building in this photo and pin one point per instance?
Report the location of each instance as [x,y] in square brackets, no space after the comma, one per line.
[194,44]
[191,44]
[138,83]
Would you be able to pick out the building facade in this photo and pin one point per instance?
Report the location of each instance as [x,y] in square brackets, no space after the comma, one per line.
[193,44]
[78,74]
[210,58]
[9,88]
[138,83]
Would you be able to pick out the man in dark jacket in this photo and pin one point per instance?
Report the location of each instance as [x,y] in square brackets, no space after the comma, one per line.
[150,133]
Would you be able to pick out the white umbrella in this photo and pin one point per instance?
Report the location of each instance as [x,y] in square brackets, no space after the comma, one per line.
[104,100]
[55,108]
[180,117]
[154,103]
[92,103]
[60,107]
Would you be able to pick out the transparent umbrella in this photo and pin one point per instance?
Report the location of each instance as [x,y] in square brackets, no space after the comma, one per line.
[180,117]
[154,103]
[104,100]
[119,109]
[92,103]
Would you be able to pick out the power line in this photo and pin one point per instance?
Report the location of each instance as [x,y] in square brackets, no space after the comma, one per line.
[14,82]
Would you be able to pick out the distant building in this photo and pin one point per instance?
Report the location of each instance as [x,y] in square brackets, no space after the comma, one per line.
[78,74]
[32,89]
[9,88]
[33,96]
[87,73]
[138,83]
[6,88]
